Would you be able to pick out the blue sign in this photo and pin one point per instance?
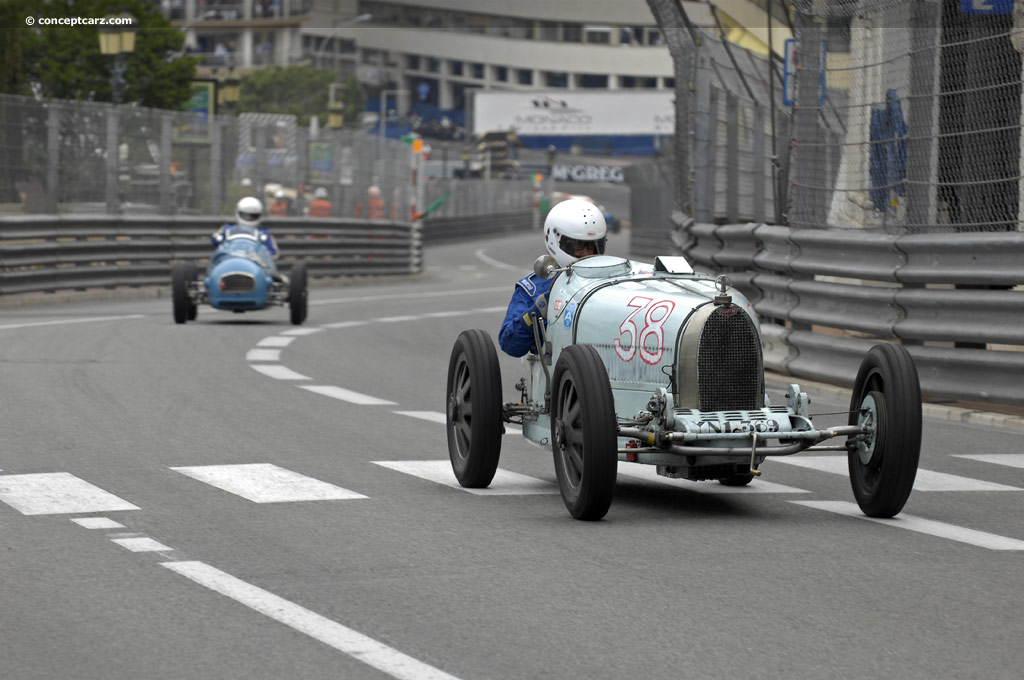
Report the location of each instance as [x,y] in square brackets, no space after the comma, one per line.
[789,67]
[986,6]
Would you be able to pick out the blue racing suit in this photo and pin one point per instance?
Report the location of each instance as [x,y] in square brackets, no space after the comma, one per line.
[516,335]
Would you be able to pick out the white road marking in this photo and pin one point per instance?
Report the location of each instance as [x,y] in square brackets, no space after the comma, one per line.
[347,395]
[263,355]
[63,322]
[481,255]
[301,331]
[395,319]
[981,539]
[926,480]
[266,483]
[441,315]
[362,648]
[56,493]
[142,544]
[279,372]
[276,341]
[488,310]
[650,473]
[442,419]
[97,523]
[440,471]
[1009,459]
[345,324]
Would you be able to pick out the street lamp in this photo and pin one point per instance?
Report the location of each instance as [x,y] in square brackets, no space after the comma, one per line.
[323,41]
[116,40]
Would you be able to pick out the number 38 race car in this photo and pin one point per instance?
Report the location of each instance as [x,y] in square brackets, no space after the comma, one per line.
[242,276]
[658,365]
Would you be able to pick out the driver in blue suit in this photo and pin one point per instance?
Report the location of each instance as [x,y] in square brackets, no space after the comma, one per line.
[573,229]
[248,214]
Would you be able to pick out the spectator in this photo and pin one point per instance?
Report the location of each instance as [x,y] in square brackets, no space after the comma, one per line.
[279,208]
[320,207]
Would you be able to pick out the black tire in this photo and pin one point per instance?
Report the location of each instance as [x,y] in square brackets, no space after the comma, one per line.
[583,432]
[882,469]
[736,480]
[179,292]
[473,408]
[190,274]
[298,297]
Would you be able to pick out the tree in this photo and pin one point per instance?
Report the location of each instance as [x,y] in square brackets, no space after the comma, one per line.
[354,100]
[64,62]
[297,90]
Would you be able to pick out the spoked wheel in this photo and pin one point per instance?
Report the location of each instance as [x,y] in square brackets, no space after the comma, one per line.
[474,409]
[179,293]
[887,398]
[583,432]
[298,298]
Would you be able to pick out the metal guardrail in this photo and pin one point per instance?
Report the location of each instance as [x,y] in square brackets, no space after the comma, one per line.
[50,253]
[827,296]
[474,226]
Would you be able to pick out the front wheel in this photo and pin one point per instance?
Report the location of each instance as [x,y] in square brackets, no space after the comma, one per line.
[180,299]
[473,409]
[298,297]
[583,432]
[887,398]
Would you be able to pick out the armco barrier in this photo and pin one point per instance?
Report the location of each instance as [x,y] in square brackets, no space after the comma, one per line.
[46,253]
[837,293]
[474,226]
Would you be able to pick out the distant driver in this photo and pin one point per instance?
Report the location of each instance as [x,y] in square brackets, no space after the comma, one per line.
[248,214]
[573,229]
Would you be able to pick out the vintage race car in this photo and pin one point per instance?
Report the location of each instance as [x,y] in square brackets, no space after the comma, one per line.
[242,276]
[658,365]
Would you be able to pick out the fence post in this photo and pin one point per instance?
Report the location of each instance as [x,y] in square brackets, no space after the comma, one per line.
[216,165]
[260,133]
[52,158]
[732,158]
[809,169]
[702,103]
[167,206]
[759,211]
[113,199]
[923,116]
[711,172]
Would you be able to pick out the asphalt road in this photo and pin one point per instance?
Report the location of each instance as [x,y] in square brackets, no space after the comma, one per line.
[238,498]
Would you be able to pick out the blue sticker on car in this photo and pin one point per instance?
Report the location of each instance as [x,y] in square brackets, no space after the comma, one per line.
[570,312]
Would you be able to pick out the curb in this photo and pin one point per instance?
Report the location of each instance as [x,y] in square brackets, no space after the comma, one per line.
[955,414]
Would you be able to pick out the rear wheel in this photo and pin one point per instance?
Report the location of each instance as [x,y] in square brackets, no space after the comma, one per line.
[190,274]
[179,293]
[583,432]
[473,410]
[886,397]
[298,299]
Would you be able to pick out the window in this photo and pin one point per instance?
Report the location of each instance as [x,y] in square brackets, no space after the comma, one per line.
[669,83]
[598,35]
[412,62]
[478,71]
[501,74]
[455,67]
[591,80]
[627,82]
[433,64]
[550,30]
[524,76]
[572,33]
[556,79]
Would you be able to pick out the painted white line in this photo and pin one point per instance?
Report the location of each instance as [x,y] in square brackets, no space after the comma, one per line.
[440,471]
[275,341]
[482,255]
[279,372]
[982,539]
[56,493]
[347,395]
[142,544]
[365,649]
[926,480]
[345,324]
[650,473]
[263,355]
[97,523]
[488,310]
[1009,459]
[441,315]
[395,319]
[442,419]
[266,483]
[301,331]
[413,296]
[63,322]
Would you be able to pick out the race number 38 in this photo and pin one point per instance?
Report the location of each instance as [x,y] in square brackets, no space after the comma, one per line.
[654,316]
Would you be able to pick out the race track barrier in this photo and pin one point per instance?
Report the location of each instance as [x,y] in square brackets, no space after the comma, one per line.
[826,296]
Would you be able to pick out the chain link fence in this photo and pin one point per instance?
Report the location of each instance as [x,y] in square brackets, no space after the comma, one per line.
[64,157]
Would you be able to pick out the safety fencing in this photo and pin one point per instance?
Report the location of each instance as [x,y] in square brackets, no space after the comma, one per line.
[825,297]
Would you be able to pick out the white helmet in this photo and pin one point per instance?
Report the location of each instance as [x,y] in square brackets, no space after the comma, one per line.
[320,193]
[279,193]
[568,224]
[249,211]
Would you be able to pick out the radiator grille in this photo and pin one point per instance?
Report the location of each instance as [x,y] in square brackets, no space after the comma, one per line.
[730,375]
[237,282]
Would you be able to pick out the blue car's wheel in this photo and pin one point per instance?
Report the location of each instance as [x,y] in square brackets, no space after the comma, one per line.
[190,275]
[298,302]
[179,293]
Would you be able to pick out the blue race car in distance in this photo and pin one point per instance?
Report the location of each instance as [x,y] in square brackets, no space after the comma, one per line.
[242,276]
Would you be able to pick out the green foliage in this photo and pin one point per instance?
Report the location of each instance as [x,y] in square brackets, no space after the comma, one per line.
[298,90]
[354,100]
[64,62]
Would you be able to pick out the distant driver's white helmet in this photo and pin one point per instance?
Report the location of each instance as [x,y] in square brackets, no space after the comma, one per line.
[249,211]
[570,226]
[320,193]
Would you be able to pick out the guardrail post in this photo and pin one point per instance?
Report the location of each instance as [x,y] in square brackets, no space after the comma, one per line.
[216,166]
[758,163]
[167,206]
[113,199]
[52,157]
[732,158]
